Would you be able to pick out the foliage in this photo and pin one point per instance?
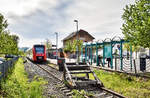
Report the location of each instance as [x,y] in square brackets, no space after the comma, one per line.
[136,48]
[136,27]
[21,53]
[129,86]
[72,46]
[126,46]
[80,94]
[3,23]
[8,43]
[68,47]
[17,84]
[75,44]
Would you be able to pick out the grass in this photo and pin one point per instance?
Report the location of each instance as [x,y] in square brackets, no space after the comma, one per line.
[129,86]
[17,84]
[80,94]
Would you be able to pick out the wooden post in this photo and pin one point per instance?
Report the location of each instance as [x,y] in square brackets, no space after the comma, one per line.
[135,67]
[82,53]
[131,57]
[115,63]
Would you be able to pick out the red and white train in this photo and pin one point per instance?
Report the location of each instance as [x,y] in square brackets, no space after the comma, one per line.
[39,53]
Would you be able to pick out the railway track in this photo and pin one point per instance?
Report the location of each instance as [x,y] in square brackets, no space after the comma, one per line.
[97,92]
[52,71]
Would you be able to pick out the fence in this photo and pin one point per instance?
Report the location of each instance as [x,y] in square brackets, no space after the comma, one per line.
[4,67]
[129,65]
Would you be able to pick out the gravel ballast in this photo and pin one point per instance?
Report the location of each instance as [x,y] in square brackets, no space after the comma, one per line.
[52,88]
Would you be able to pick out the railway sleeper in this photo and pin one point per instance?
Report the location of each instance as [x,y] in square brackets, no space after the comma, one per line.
[101,94]
[66,90]
[69,93]
[81,72]
[84,83]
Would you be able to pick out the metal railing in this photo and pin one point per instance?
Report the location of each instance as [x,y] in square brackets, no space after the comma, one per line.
[5,66]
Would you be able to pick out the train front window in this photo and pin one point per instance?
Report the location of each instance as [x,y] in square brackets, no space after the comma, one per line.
[39,49]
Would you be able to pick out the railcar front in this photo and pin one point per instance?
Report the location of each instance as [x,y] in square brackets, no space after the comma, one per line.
[39,53]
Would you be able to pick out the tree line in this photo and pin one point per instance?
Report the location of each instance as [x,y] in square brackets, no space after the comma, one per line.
[8,42]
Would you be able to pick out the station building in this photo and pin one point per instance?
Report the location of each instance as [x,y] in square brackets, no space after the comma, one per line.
[82,35]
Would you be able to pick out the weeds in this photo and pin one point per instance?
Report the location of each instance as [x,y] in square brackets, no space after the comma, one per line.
[16,85]
[80,94]
[129,86]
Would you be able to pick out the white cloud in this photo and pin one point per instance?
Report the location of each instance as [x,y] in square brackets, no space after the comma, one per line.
[39,19]
[24,7]
[99,15]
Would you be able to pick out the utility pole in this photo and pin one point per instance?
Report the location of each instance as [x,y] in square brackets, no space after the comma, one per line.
[77,33]
[56,45]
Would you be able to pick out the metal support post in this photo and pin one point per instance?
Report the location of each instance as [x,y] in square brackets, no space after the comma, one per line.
[111,63]
[91,54]
[77,34]
[103,54]
[88,54]
[121,59]
[85,53]
[56,45]
[97,60]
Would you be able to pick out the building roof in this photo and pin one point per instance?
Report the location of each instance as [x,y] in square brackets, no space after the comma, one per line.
[74,33]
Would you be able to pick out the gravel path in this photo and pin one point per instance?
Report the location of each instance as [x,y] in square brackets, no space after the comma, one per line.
[52,89]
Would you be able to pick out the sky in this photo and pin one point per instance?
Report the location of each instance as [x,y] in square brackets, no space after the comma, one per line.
[34,21]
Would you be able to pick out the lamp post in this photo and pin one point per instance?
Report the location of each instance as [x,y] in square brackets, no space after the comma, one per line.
[76,21]
[56,45]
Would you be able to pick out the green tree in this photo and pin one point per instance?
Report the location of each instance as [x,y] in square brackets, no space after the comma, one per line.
[3,23]
[126,46]
[69,47]
[72,46]
[8,43]
[77,43]
[135,49]
[136,27]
